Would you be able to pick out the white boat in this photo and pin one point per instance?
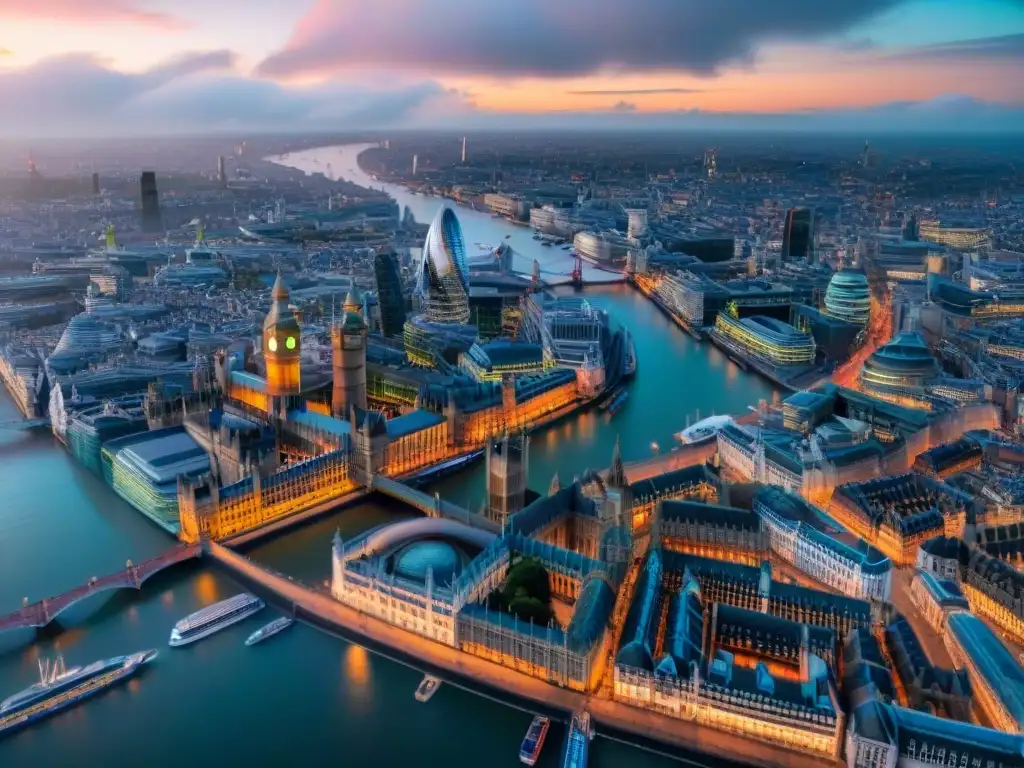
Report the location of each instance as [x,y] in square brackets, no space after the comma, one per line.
[703,430]
[269,630]
[214,618]
[428,687]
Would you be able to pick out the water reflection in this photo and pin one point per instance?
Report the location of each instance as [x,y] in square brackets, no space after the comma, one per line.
[357,671]
[206,588]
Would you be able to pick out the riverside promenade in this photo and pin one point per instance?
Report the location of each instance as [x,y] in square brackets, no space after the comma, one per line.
[712,745]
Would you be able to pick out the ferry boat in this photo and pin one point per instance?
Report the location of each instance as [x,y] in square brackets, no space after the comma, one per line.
[59,687]
[269,630]
[533,741]
[214,618]
[428,687]
[703,430]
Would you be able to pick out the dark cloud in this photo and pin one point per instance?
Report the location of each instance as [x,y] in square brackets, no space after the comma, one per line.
[624,106]
[567,37]
[635,92]
[79,96]
[1002,47]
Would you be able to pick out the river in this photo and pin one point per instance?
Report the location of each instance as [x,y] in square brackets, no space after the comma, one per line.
[304,696]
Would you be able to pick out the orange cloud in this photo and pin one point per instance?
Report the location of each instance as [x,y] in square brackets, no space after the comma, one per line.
[88,12]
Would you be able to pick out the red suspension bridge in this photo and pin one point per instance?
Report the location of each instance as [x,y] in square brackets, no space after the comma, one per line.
[42,613]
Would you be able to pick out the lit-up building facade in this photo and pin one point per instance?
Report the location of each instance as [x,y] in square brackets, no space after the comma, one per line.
[960,238]
[808,539]
[898,513]
[766,339]
[849,297]
[741,668]
[997,680]
[442,279]
[901,371]
[490,362]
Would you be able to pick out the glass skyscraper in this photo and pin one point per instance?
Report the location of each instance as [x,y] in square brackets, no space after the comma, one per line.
[152,221]
[389,294]
[798,235]
[443,278]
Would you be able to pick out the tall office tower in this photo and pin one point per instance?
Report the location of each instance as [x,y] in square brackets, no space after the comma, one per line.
[911,229]
[865,156]
[95,183]
[222,171]
[463,150]
[798,234]
[389,294]
[152,221]
[415,163]
[507,467]
[442,279]
[348,347]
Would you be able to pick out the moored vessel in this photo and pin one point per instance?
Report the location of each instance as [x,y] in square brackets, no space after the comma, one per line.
[269,630]
[533,741]
[59,687]
[618,402]
[428,687]
[214,618]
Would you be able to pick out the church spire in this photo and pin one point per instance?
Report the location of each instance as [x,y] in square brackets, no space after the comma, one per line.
[617,473]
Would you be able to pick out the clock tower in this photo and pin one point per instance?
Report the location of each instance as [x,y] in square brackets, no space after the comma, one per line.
[348,348]
[281,344]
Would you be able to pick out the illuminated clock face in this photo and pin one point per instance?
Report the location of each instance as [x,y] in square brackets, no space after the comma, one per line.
[272,344]
[290,343]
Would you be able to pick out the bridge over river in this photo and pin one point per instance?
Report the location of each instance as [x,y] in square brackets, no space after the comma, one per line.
[42,613]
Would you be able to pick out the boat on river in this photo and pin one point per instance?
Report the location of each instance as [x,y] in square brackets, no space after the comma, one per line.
[704,430]
[618,402]
[59,687]
[214,618]
[269,630]
[533,741]
[427,688]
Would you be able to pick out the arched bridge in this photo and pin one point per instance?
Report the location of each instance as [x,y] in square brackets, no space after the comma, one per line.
[431,506]
[42,613]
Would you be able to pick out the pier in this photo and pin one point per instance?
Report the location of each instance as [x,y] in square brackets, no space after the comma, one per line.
[42,613]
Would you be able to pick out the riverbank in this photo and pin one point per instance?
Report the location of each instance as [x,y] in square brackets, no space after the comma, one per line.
[714,748]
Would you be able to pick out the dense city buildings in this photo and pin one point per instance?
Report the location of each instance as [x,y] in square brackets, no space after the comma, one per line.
[830,576]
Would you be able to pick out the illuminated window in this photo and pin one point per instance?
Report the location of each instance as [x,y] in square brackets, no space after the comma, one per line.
[290,343]
[272,344]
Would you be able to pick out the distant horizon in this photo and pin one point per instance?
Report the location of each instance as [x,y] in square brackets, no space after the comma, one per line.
[155,67]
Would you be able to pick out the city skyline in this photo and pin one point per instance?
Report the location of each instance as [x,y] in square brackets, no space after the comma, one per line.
[126,66]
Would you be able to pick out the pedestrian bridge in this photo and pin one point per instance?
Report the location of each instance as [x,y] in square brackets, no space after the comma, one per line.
[42,613]
[431,506]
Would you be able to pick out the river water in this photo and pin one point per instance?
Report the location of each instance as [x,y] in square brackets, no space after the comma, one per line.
[305,696]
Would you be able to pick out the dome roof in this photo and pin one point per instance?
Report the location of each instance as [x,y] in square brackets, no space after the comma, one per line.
[412,561]
[907,353]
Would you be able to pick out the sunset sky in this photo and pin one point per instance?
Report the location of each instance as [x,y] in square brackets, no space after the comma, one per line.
[88,67]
